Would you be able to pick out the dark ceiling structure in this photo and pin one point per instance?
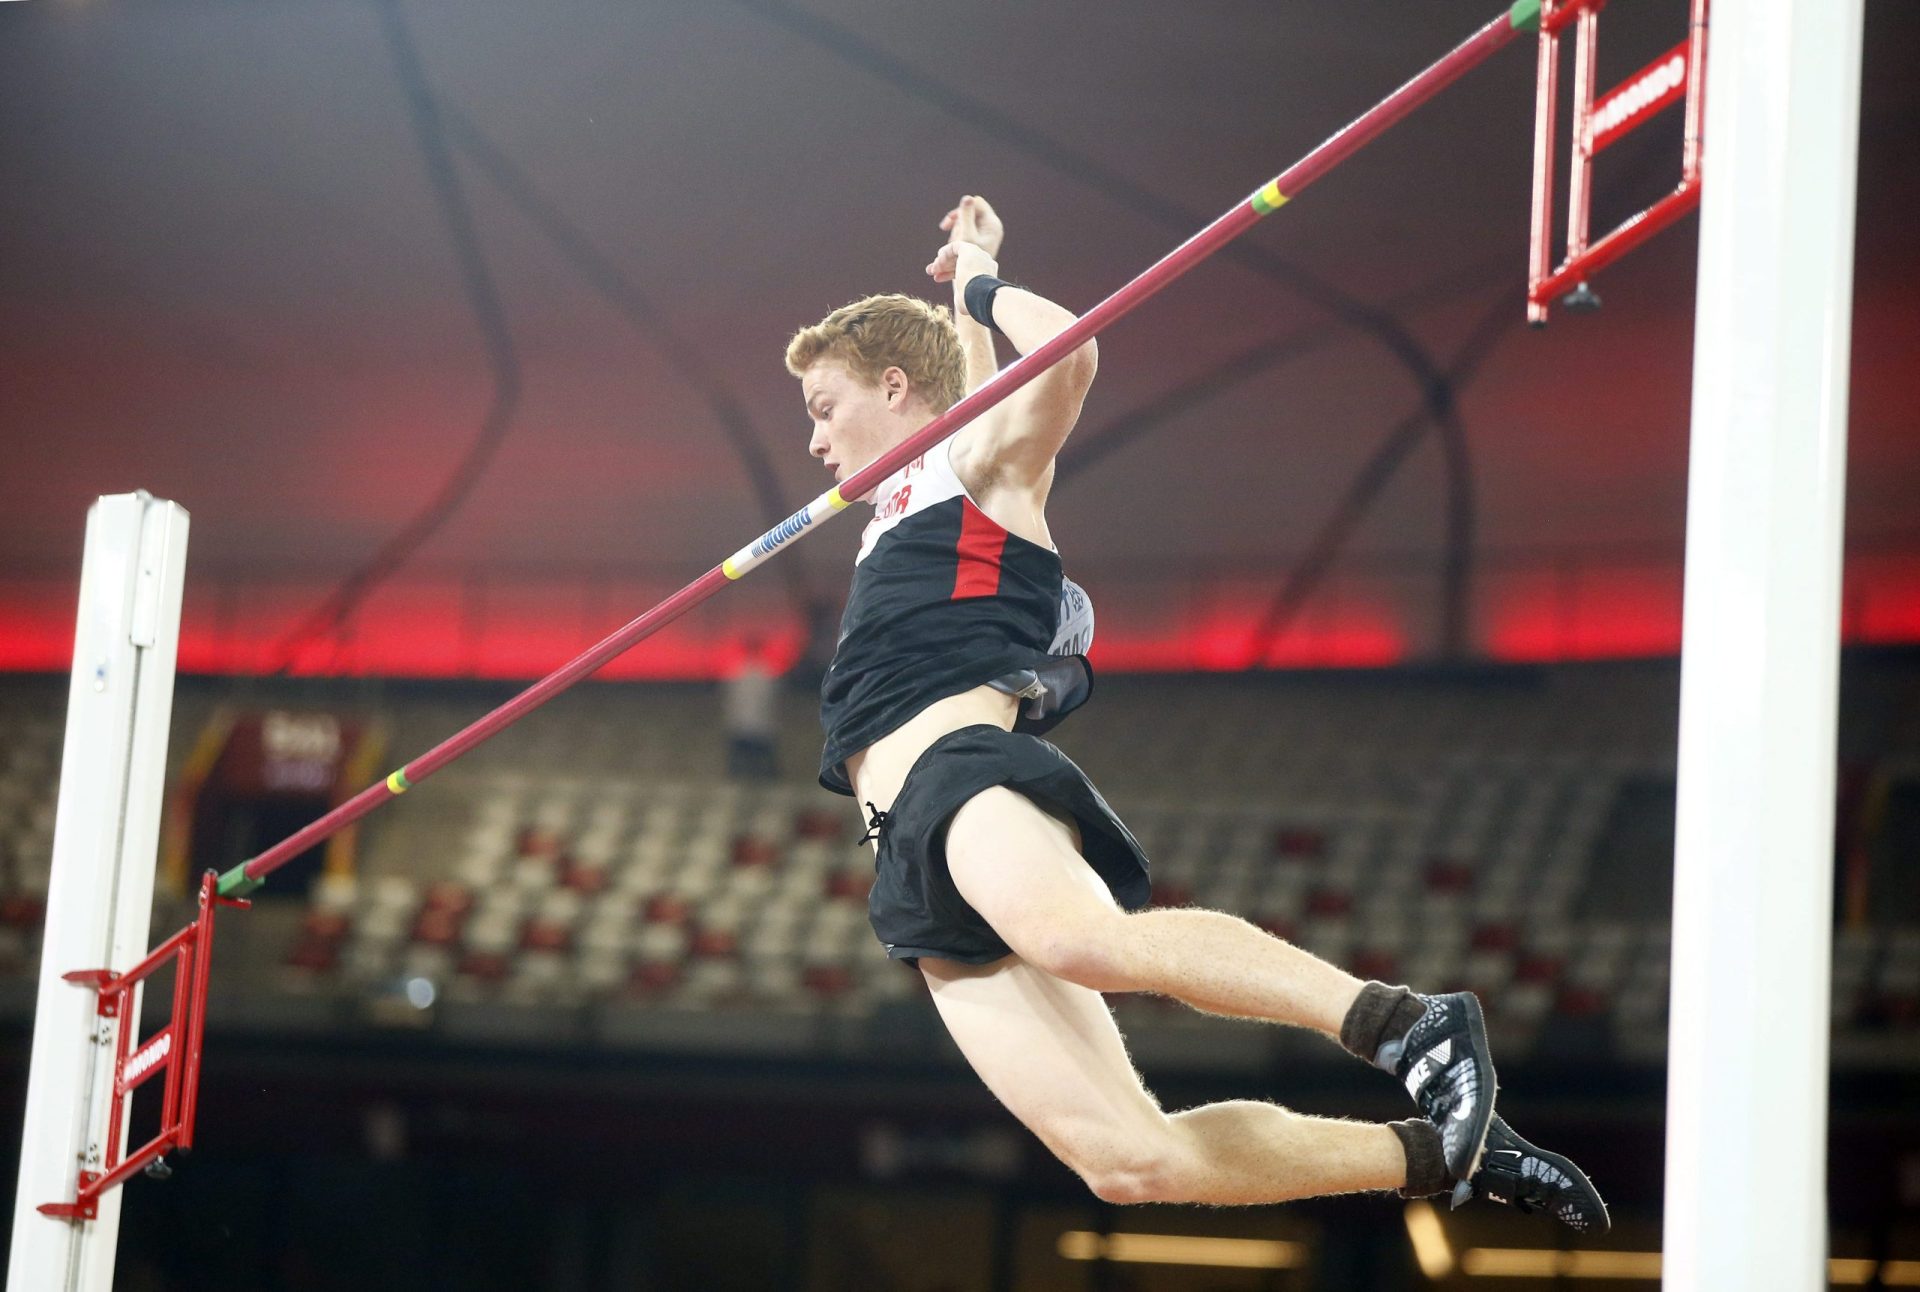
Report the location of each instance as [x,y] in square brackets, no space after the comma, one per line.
[457,327]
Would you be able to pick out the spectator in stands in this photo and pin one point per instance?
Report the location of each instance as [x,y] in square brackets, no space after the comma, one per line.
[1001,871]
[751,709]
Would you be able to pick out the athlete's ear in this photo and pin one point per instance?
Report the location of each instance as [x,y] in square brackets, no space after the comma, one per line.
[894,382]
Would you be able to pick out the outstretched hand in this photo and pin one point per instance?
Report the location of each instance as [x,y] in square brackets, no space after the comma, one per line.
[975,221]
[962,262]
[974,235]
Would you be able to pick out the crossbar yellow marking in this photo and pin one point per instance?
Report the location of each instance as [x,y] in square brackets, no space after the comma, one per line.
[728,568]
[397,782]
[1269,199]
[835,501]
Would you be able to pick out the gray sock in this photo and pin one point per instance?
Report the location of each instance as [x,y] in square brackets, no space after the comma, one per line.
[1426,1158]
[1380,1019]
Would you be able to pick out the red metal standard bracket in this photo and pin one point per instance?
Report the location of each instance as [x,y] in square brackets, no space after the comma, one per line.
[174,1049]
[1678,74]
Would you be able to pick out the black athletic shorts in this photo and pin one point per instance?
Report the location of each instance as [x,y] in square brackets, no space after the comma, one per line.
[914,908]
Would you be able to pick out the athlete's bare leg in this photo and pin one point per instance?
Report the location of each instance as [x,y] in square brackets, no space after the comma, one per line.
[1049,1050]
[1019,868]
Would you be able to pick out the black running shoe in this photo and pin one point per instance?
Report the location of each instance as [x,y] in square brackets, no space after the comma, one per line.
[1536,1181]
[1444,1063]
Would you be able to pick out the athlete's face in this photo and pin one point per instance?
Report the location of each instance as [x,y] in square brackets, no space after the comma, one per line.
[855,421]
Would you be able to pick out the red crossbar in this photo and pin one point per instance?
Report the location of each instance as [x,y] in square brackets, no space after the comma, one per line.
[1264,201]
[174,1049]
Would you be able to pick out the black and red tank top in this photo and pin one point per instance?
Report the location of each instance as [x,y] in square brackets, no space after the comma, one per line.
[943,600]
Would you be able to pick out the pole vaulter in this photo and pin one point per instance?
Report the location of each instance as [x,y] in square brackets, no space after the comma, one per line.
[179,1054]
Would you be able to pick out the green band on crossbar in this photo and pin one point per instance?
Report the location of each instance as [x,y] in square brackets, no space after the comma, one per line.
[1269,199]
[237,883]
[1525,15]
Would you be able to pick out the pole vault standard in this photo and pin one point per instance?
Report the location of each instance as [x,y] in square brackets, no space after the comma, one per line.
[1747,1036]
[1523,15]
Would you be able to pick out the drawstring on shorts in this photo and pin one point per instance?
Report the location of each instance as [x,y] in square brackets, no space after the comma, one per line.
[876,823]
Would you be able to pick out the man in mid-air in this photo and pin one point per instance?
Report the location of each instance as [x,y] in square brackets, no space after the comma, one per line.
[1002,872]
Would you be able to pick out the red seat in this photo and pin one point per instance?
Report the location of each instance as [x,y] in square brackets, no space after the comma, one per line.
[534,842]
[749,850]
[584,878]
[545,935]
[1537,966]
[851,885]
[652,977]
[436,927]
[827,980]
[1495,937]
[1298,842]
[1330,902]
[486,966]
[446,895]
[22,911]
[816,824]
[1581,1002]
[665,908]
[1377,965]
[326,926]
[316,955]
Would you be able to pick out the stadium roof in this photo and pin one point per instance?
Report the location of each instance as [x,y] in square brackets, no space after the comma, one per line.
[244,246]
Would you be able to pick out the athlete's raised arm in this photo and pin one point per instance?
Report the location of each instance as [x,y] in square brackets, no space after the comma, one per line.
[974,220]
[1034,422]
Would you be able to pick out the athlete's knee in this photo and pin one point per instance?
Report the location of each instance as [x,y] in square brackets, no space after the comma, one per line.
[1157,1169]
[1139,1163]
[1131,1186]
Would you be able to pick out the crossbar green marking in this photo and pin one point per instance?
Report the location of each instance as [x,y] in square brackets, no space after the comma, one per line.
[1525,15]
[398,783]
[237,883]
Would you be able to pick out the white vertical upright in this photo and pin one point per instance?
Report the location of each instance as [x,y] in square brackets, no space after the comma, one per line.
[99,899]
[1753,871]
